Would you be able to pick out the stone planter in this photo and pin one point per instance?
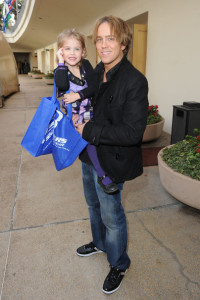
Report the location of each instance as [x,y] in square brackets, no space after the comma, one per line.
[181,187]
[153,131]
[30,74]
[48,80]
[37,76]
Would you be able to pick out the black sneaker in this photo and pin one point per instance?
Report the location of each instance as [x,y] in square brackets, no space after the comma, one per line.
[87,250]
[113,280]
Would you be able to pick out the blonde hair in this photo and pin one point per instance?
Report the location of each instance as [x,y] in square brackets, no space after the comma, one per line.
[67,33]
[118,27]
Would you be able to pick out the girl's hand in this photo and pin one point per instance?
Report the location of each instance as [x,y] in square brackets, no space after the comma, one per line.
[59,55]
[71,97]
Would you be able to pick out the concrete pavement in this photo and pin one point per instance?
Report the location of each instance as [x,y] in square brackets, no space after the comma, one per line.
[44,218]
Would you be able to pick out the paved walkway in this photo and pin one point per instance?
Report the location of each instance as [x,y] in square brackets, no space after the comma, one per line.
[44,218]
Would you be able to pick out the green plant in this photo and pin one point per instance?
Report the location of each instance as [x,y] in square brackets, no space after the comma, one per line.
[49,75]
[153,115]
[37,72]
[184,156]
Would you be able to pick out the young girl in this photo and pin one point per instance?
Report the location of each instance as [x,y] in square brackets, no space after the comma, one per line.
[76,73]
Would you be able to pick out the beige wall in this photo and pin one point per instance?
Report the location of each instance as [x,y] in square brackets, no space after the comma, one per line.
[47,58]
[8,69]
[33,60]
[173,49]
[91,50]
[51,58]
[173,54]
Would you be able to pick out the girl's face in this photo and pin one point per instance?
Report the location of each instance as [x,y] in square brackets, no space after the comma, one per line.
[72,51]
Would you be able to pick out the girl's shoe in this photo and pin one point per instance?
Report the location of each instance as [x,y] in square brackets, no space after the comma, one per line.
[111,188]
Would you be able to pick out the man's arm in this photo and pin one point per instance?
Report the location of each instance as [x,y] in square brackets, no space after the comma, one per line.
[132,121]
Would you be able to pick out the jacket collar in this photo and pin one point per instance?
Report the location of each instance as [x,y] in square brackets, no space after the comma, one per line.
[112,71]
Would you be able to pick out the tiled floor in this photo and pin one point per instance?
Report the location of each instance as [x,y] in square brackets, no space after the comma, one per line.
[44,218]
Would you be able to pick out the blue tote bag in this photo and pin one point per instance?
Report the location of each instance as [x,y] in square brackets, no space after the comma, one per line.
[39,135]
[67,142]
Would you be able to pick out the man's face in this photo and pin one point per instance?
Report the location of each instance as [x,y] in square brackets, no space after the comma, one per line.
[109,49]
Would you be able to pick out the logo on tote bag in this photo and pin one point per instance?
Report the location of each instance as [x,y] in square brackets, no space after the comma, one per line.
[52,125]
[59,142]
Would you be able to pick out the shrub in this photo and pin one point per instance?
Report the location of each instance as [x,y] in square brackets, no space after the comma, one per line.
[49,75]
[184,156]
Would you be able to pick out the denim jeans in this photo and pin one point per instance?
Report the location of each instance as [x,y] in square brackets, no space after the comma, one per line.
[107,219]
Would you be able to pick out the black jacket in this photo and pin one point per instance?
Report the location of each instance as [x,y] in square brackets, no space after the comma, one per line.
[120,115]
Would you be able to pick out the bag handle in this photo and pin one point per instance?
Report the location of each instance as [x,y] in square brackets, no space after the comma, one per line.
[69,106]
[54,93]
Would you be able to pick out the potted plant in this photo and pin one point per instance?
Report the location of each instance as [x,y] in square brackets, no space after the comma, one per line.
[49,78]
[155,123]
[37,74]
[30,73]
[179,168]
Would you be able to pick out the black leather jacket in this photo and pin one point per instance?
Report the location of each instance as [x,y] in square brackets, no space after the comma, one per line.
[120,115]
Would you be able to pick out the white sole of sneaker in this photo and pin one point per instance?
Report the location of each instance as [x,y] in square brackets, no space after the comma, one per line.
[85,255]
[108,293]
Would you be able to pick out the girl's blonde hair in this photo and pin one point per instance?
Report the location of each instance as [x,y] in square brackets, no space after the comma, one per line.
[67,33]
[119,29]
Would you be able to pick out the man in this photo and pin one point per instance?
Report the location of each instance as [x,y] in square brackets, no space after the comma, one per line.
[120,114]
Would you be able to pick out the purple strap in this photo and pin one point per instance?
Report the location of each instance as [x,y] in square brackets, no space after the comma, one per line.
[92,152]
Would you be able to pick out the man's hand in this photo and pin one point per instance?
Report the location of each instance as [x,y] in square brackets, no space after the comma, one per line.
[71,97]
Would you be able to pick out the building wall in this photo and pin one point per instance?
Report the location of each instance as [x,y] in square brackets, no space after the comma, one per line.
[91,50]
[47,58]
[173,54]
[8,70]
[173,50]
[33,61]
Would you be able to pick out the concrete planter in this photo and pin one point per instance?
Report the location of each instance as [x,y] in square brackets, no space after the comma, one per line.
[153,131]
[48,80]
[37,76]
[30,74]
[181,187]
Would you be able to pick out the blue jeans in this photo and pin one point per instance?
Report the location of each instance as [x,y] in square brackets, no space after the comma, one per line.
[107,219]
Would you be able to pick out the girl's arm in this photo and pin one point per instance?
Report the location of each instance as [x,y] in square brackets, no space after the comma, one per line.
[61,78]
[60,73]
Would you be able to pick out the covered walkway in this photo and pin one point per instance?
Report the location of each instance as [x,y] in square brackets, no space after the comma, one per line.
[44,218]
